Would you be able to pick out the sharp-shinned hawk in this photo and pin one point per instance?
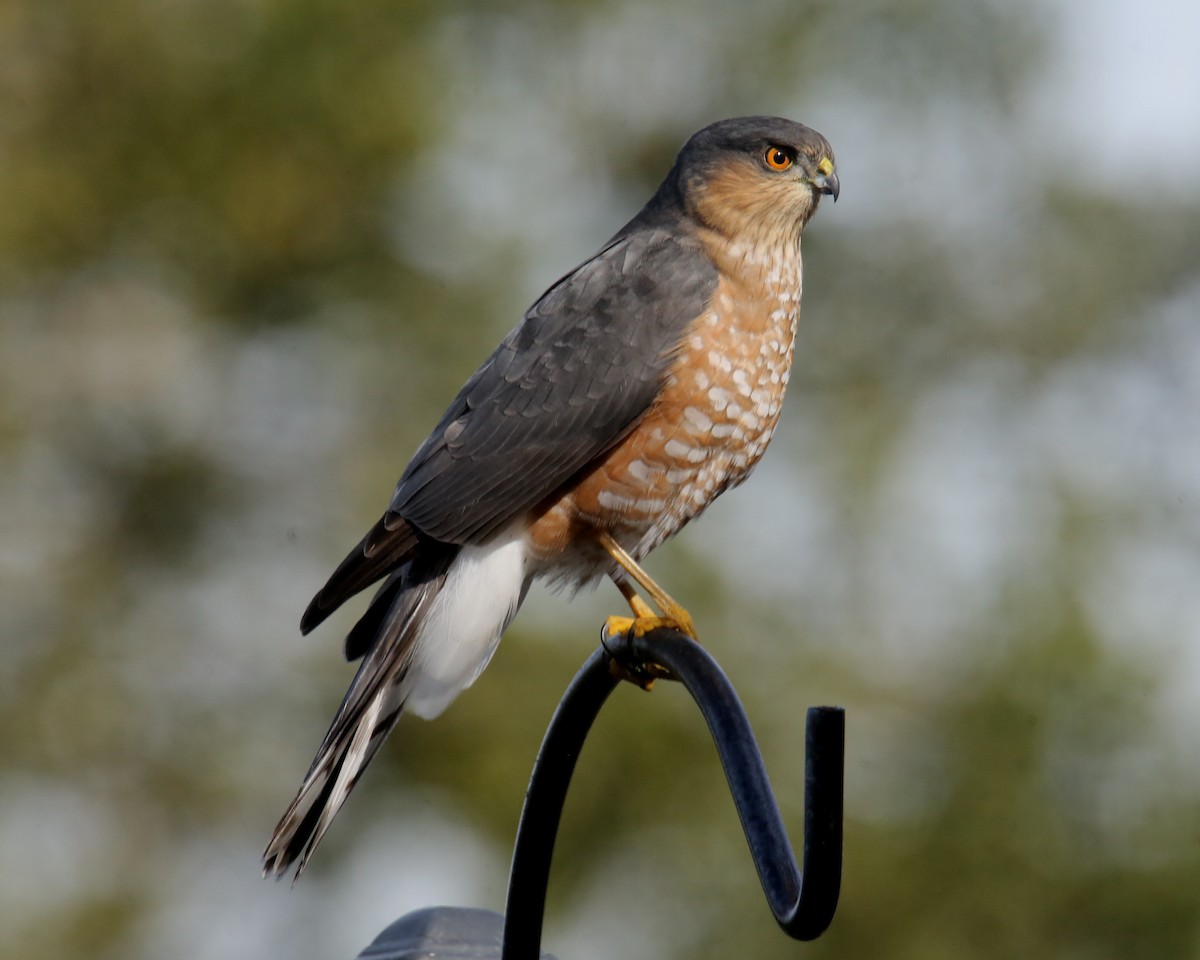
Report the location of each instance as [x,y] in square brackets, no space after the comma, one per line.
[635,391]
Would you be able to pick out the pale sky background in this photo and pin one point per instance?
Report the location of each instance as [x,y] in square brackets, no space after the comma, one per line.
[1120,99]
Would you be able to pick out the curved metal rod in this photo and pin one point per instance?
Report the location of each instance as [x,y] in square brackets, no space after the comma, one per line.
[803,903]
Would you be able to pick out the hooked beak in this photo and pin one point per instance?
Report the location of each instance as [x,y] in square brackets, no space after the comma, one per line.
[828,183]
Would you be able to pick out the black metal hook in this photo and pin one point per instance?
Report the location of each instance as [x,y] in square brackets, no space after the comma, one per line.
[803,902]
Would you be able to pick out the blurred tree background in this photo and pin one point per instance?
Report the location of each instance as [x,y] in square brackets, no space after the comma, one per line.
[250,248]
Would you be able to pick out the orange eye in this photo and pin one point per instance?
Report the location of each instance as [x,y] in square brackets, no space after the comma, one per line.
[777,158]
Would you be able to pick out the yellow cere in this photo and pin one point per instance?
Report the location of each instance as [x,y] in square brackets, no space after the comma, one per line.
[825,166]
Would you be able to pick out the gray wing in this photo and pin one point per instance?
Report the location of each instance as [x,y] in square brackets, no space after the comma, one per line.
[563,387]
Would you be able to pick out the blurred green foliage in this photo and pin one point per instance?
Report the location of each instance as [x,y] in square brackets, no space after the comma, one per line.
[247,252]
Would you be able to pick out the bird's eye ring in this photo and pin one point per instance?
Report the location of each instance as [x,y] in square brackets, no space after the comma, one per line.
[777,158]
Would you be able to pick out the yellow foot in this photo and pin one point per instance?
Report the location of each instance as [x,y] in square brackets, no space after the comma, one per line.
[643,624]
[641,674]
[673,613]
[644,619]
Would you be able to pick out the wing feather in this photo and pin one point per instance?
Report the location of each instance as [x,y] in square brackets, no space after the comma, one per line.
[563,387]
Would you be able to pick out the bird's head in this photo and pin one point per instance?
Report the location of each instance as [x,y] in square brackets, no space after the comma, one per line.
[755,175]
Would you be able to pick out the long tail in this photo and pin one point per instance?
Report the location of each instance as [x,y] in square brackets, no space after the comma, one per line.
[433,627]
[368,713]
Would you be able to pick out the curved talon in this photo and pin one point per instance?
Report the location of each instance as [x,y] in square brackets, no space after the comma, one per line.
[639,673]
[613,628]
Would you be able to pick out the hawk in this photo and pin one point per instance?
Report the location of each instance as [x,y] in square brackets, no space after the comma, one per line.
[637,389]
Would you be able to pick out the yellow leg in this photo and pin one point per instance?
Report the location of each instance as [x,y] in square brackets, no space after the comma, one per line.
[641,609]
[644,619]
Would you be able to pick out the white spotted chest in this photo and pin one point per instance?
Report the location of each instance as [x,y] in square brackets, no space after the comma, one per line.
[707,430]
[722,400]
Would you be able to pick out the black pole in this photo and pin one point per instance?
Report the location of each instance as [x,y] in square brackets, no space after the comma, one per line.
[538,828]
[803,902]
